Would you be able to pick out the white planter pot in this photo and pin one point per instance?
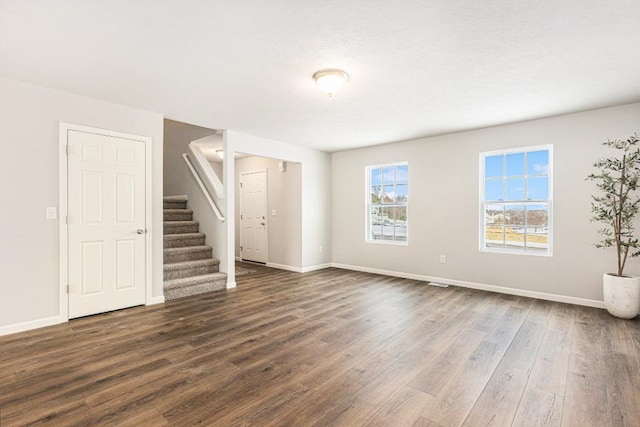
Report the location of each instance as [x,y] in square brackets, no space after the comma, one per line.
[621,295]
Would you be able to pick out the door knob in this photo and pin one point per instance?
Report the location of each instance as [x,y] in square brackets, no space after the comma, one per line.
[262,223]
[140,231]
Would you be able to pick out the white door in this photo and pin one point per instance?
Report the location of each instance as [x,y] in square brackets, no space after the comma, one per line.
[106,223]
[253,216]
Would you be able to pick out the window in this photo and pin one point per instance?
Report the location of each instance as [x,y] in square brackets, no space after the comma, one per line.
[387,195]
[515,201]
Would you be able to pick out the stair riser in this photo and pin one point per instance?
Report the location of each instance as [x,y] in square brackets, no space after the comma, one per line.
[200,288]
[174,205]
[179,229]
[183,243]
[187,256]
[190,272]
[178,216]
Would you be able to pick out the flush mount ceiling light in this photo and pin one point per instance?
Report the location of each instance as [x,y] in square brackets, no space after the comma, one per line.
[330,80]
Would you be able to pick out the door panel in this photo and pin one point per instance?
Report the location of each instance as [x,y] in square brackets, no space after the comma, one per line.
[106,208]
[253,216]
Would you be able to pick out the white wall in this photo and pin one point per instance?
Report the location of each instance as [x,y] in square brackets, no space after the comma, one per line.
[29,124]
[316,192]
[179,181]
[284,194]
[443,193]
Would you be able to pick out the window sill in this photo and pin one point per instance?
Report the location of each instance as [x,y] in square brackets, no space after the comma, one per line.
[513,252]
[387,242]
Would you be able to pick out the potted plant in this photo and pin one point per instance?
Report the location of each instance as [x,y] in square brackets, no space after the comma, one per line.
[616,207]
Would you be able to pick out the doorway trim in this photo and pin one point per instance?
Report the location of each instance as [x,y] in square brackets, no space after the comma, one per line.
[266,227]
[63,229]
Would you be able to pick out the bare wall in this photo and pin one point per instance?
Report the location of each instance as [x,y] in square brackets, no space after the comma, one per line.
[444,205]
[29,170]
[177,136]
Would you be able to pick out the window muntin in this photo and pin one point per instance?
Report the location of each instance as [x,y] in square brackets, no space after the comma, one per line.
[515,199]
[387,194]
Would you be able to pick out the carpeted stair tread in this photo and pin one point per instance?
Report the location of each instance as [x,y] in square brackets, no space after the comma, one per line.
[188,253]
[182,198]
[194,280]
[180,270]
[183,240]
[181,227]
[170,215]
[180,236]
[190,264]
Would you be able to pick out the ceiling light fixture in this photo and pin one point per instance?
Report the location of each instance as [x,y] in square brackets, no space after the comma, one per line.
[330,80]
[220,153]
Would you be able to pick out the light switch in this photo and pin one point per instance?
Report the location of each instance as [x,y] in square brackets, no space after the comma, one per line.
[52,212]
[273,212]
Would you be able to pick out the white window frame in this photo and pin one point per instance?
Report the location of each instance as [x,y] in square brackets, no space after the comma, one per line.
[368,204]
[549,201]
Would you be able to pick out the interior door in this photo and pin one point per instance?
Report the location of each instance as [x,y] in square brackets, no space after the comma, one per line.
[106,223]
[253,216]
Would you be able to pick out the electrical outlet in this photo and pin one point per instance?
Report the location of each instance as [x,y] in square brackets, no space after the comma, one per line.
[321,248]
[273,212]
[443,259]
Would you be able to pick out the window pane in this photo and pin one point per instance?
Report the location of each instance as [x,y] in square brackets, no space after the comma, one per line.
[514,215]
[494,231]
[537,217]
[538,242]
[494,166]
[493,215]
[376,177]
[388,223]
[401,193]
[401,223]
[376,194]
[402,174]
[514,237]
[376,223]
[389,194]
[538,188]
[515,189]
[538,162]
[515,164]
[388,175]
[494,189]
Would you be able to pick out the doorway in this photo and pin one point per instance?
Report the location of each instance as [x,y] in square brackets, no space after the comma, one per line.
[253,216]
[106,203]
[268,211]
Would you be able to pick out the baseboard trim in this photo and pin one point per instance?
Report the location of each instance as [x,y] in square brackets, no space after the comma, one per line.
[157,300]
[231,285]
[238,259]
[31,324]
[479,286]
[316,267]
[284,267]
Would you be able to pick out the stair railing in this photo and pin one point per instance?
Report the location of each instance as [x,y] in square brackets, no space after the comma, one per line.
[213,205]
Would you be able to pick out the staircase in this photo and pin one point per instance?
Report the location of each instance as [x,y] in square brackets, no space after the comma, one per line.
[189,267]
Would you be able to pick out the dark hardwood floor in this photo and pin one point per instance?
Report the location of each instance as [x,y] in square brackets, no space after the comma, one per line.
[331,347]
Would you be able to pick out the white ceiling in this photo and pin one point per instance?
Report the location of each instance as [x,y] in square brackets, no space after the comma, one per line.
[417,67]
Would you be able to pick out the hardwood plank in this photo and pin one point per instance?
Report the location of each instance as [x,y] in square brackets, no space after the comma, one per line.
[402,409]
[539,409]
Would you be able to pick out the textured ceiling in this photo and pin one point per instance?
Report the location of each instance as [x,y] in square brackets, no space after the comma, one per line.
[417,68]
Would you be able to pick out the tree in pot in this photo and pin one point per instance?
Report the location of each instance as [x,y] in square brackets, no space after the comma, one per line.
[616,207]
